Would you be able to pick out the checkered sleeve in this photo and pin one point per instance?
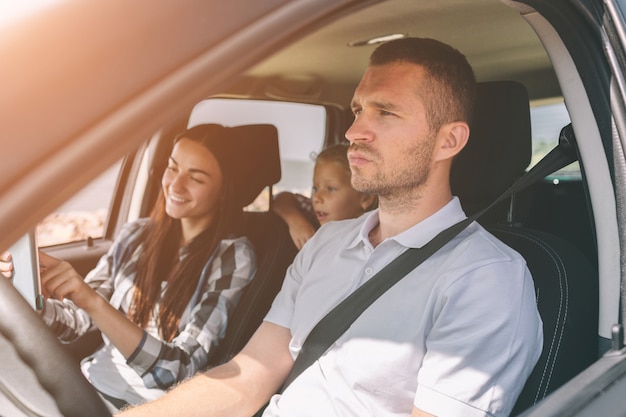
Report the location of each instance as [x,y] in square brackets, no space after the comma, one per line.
[162,364]
[68,321]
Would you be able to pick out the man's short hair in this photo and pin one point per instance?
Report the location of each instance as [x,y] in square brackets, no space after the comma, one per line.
[450,92]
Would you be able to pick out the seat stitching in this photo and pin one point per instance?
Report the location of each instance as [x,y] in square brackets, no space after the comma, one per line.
[560,323]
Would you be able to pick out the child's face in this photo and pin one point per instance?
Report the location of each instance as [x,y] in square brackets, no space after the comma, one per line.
[333,196]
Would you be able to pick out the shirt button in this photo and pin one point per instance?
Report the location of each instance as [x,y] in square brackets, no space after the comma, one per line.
[368,271]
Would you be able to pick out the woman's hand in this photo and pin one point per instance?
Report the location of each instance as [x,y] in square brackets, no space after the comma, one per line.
[6,265]
[60,280]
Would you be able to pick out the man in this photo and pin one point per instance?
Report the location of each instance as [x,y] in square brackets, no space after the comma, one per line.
[433,344]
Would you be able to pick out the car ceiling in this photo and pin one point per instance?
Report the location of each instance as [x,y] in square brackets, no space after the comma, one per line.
[498,42]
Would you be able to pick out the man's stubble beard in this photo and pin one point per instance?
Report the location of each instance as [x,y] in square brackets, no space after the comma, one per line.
[401,182]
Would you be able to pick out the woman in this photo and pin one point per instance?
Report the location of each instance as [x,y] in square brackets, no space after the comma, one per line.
[162,294]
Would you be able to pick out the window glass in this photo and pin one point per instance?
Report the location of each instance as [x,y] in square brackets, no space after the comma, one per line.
[83,216]
[301,135]
[548,117]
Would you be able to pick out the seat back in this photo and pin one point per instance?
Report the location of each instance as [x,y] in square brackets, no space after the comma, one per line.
[269,235]
[275,252]
[567,294]
[258,160]
[566,283]
[498,151]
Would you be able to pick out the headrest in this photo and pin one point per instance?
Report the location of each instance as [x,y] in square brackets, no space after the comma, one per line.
[259,162]
[499,147]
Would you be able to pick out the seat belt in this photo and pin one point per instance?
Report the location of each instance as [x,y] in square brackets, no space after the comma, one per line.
[339,319]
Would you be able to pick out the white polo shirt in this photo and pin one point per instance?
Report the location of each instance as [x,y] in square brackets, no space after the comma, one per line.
[458,336]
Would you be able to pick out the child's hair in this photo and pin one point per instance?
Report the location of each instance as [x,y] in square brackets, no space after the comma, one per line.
[335,153]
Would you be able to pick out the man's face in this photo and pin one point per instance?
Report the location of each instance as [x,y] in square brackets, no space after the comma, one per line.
[391,143]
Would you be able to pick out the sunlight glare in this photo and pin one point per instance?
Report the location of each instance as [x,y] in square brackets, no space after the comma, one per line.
[11,10]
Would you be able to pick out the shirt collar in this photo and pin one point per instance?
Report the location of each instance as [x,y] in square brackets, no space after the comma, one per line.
[419,234]
[370,221]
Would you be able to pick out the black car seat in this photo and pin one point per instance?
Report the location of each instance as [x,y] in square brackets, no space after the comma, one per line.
[274,248]
[566,283]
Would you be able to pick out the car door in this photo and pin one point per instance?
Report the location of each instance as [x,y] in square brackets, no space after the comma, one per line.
[82,229]
[614,40]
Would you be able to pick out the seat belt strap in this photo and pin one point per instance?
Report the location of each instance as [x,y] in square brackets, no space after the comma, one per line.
[340,318]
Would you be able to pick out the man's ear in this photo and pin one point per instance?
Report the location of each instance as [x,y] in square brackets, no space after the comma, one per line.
[367,201]
[452,139]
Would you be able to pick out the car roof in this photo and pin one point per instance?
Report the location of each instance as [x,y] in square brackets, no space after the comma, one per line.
[498,43]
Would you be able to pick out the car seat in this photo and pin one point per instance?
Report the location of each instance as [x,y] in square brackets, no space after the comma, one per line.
[566,283]
[274,248]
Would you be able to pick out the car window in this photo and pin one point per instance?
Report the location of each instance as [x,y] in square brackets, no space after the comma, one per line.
[82,216]
[301,135]
[548,117]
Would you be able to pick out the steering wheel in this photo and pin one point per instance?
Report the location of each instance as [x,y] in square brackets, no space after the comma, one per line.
[39,348]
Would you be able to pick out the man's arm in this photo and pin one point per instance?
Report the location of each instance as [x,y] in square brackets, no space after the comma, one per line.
[237,388]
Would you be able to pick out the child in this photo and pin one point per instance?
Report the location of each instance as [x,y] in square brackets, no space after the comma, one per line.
[333,197]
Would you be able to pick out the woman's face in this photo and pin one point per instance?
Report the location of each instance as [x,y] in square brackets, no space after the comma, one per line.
[192,186]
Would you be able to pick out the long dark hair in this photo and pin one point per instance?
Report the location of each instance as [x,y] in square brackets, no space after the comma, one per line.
[159,259]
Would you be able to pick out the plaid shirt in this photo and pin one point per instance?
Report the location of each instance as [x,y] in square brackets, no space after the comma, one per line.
[161,364]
